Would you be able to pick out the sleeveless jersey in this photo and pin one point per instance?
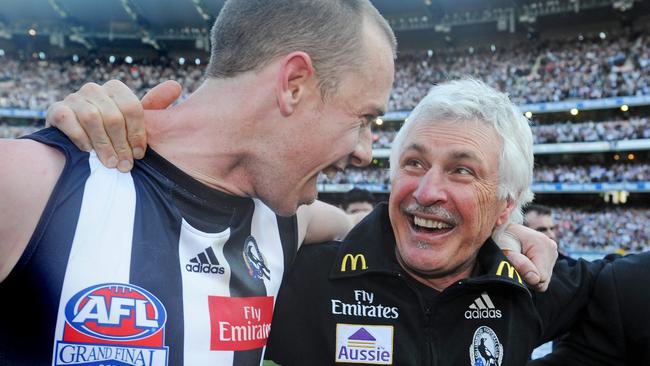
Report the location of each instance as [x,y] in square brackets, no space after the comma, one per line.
[144,268]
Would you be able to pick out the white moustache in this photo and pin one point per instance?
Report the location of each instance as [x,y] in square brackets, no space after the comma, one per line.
[437,211]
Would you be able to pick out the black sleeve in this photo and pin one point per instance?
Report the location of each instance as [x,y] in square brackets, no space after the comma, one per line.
[615,328]
[567,296]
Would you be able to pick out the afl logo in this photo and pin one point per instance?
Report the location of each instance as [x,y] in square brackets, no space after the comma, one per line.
[116,312]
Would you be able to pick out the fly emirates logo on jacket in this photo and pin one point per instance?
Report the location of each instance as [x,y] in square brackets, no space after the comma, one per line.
[364,306]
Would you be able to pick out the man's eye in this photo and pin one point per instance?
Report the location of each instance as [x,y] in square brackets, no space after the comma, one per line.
[413,163]
[368,119]
[464,171]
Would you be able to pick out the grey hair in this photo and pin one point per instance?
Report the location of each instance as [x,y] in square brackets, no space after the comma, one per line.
[248,34]
[472,100]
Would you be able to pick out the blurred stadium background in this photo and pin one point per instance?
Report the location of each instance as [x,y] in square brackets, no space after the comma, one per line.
[578,69]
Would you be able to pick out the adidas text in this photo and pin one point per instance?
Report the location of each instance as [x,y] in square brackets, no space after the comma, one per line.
[483,314]
[204,268]
[482,308]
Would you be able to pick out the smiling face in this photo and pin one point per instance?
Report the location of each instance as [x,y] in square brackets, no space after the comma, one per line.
[443,203]
[333,133]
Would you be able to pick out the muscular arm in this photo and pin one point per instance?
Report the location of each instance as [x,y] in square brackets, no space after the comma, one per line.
[320,222]
[30,171]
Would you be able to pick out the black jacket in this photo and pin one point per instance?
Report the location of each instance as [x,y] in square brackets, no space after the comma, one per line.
[615,329]
[351,303]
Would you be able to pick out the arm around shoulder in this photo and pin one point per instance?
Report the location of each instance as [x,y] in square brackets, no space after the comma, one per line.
[320,221]
[30,171]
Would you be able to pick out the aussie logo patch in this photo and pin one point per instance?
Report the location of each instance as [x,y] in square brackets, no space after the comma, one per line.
[485,350]
[113,324]
[366,344]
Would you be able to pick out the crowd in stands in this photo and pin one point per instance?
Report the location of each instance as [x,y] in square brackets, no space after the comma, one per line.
[633,172]
[563,132]
[607,230]
[592,173]
[11,132]
[534,71]
[632,129]
[36,84]
[370,175]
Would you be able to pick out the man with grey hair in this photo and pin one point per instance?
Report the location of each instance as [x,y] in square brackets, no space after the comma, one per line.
[179,261]
[420,281]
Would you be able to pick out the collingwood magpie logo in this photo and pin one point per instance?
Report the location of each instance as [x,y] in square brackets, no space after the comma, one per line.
[255,260]
[485,350]
[205,262]
[482,308]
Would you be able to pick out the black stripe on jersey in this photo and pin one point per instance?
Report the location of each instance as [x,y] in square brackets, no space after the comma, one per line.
[288,227]
[154,260]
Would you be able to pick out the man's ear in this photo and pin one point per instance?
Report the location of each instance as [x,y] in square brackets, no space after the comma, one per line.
[505,213]
[295,76]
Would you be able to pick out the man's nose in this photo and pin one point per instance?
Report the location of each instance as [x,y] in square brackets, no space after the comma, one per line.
[362,154]
[431,188]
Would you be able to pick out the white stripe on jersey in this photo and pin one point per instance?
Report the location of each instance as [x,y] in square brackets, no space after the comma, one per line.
[196,289]
[103,236]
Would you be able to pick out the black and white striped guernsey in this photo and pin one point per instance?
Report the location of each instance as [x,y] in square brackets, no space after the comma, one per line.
[143,268]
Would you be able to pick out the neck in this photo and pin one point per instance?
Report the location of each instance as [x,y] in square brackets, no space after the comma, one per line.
[434,279]
[208,136]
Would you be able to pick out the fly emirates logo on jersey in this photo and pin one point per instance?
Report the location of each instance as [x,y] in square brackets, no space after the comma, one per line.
[239,323]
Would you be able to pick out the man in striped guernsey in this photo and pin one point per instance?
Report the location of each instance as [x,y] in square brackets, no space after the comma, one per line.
[178,262]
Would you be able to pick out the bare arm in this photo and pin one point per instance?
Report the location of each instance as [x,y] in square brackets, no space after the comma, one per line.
[321,221]
[30,171]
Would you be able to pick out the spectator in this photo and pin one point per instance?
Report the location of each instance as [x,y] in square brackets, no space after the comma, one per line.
[358,200]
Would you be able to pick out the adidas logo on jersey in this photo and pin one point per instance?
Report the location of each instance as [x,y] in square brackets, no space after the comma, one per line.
[483,308]
[205,262]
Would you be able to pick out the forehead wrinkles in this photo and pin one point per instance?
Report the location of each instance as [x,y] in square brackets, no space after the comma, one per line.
[474,135]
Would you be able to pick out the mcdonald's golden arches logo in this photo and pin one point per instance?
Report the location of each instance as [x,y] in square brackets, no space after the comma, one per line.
[354,260]
[511,270]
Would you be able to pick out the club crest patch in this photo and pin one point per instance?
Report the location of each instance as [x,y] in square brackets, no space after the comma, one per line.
[254,259]
[485,350]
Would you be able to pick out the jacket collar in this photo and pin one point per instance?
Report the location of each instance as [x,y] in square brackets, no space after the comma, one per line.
[370,248]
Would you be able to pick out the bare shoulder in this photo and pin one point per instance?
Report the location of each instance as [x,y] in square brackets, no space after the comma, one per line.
[29,172]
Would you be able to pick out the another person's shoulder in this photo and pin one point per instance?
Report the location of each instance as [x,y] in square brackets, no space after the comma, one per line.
[28,163]
[318,256]
[30,171]
[628,276]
